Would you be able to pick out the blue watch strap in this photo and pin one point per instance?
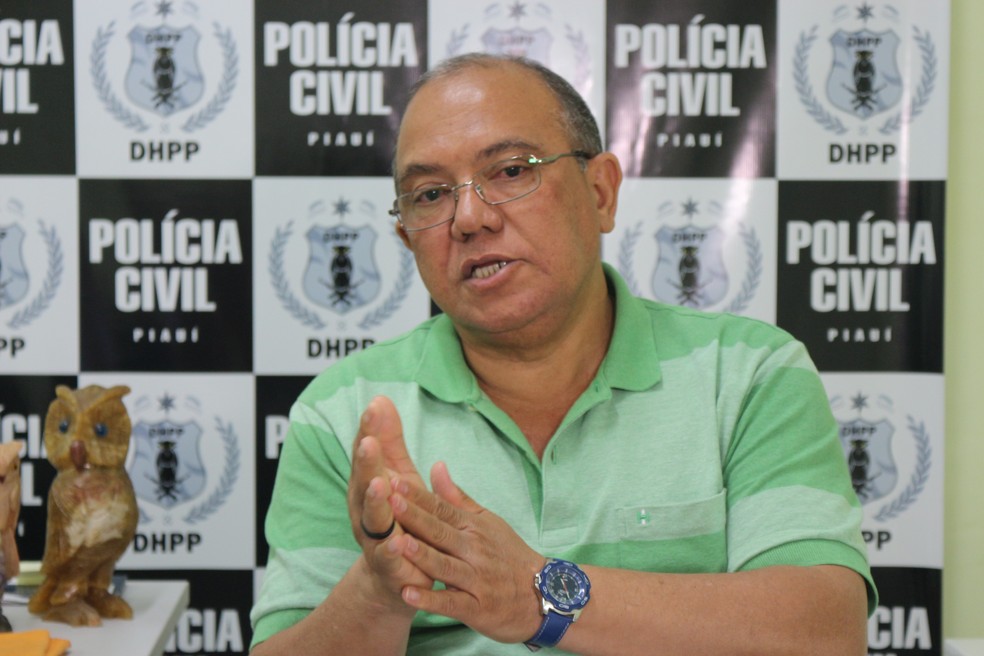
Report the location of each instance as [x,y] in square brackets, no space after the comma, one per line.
[552,629]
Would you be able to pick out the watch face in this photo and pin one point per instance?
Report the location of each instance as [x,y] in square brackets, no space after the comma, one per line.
[565,585]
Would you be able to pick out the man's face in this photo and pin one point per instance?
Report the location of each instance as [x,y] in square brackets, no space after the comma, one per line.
[525,265]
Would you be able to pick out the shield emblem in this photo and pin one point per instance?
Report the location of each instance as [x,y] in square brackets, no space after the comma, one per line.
[341,272]
[868,450]
[164,76]
[690,268]
[13,274]
[864,77]
[517,42]
[167,467]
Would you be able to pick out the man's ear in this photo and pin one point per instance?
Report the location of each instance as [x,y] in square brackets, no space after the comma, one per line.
[605,176]
[402,234]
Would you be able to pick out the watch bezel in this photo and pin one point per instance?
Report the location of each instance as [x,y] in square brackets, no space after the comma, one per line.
[552,569]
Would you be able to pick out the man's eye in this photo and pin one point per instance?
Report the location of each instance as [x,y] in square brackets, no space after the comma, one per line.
[427,196]
[512,172]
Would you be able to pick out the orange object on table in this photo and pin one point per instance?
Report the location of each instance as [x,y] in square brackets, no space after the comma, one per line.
[37,642]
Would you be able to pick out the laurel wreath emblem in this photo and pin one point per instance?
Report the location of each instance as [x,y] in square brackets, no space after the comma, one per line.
[457,41]
[753,275]
[282,287]
[52,280]
[230,71]
[917,482]
[228,479]
[925,88]
[215,106]
[97,68]
[397,296]
[582,57]
[919,99]
[805,89]
[582,54]
[626,249]
[300,312]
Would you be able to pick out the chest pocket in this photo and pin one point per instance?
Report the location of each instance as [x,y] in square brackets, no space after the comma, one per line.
[679,537]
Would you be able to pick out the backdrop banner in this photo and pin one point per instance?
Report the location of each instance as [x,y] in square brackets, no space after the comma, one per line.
[194,196]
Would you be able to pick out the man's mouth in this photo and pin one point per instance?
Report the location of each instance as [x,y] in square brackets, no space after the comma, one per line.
[487,270]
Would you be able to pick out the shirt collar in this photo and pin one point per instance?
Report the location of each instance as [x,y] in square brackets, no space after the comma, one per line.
[632,362]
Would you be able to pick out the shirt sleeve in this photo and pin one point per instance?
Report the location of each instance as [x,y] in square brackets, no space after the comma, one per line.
[307,526]
[790,498]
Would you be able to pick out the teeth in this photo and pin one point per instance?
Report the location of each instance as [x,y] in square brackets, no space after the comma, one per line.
[488,270]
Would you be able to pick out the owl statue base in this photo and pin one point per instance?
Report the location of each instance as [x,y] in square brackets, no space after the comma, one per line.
[92,509]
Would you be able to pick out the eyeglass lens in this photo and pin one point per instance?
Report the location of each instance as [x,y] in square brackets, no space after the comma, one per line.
[499,182]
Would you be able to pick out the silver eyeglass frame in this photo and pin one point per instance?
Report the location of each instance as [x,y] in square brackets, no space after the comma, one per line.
[533,160]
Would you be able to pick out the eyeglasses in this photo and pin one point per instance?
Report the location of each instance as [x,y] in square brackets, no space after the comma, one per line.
[497,183]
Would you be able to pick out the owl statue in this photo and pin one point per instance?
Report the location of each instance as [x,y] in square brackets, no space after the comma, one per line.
[92,510]
[10,501]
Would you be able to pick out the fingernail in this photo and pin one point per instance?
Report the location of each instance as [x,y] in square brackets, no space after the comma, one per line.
[412,545]
[411,594]
[399,503]
[367,415]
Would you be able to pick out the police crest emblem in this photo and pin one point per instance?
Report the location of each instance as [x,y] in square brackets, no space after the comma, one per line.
[518,42]
[690,268]
[164,76]
[864,77]
[888,465]
[167,466]
[341,273]
[868,448]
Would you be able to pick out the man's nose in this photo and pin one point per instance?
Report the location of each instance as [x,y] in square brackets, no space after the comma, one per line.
[473,214]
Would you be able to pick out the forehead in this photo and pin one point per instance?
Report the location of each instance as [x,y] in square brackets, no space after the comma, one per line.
[466,114]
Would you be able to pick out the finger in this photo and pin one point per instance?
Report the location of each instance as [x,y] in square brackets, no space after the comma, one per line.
[454,573]
[367,464]
[386,558]
[449,603]
[377,521]
[425,502]
[448,490]
[383,421]
[369,488]
[435,523]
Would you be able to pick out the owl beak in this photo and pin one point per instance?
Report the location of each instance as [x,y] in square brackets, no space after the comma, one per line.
[79,456]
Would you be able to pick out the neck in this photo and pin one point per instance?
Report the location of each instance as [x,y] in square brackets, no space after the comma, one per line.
[536,380]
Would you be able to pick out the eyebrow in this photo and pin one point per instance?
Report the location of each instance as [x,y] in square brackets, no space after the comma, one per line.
[488,152]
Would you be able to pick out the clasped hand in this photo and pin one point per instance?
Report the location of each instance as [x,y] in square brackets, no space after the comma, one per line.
[437,536]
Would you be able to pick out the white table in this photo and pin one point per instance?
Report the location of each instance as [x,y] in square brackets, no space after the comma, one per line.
[157,607]
[963,647]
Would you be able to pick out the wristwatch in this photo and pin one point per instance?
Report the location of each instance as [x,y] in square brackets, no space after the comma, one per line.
[564,592]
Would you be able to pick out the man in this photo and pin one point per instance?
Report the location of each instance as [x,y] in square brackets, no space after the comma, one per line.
[684,467]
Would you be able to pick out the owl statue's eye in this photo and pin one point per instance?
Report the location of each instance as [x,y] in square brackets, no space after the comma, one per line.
[100,430]
[63,425]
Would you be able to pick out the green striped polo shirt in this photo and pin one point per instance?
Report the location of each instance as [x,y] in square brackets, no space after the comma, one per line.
[705,443]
